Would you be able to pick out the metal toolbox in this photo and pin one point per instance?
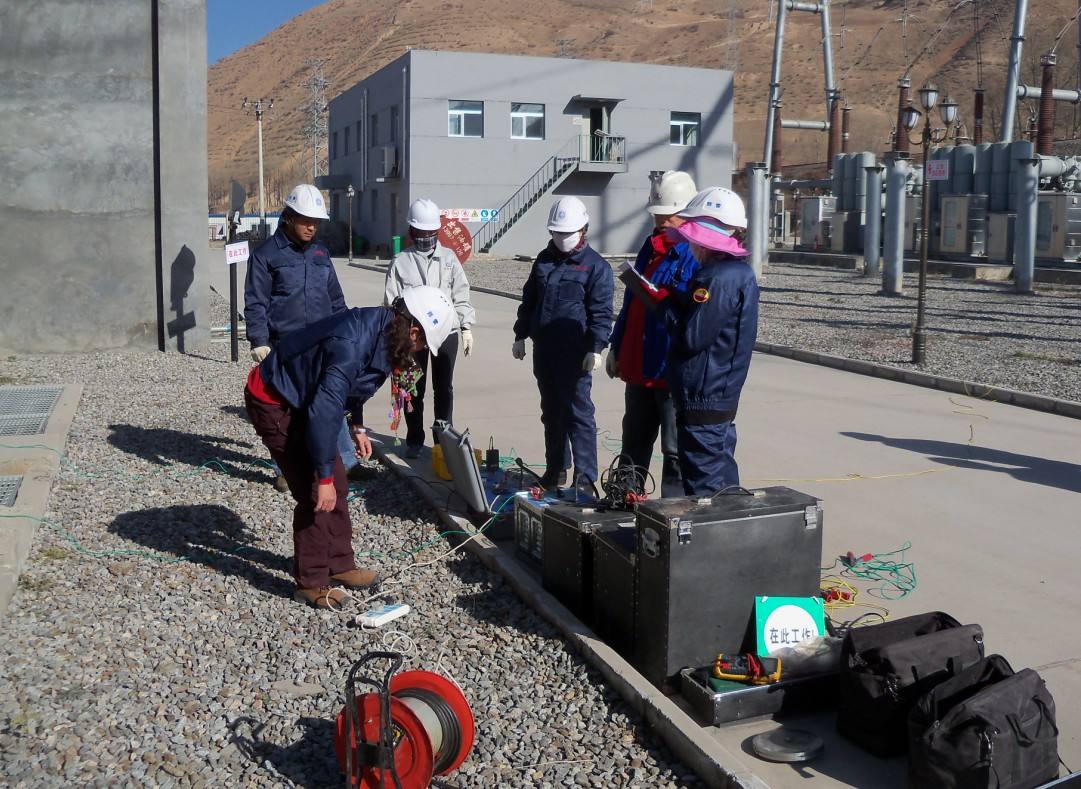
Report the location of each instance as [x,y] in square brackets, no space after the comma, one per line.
[613,587]
[712,708]
[701,563]
[567,548]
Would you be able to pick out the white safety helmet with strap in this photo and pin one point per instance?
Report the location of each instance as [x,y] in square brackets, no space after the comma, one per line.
[568,215]
[718,203]
[433,310]
[424,214]
[307,201]
[670,193]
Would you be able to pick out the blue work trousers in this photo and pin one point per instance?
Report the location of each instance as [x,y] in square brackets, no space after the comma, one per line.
[567,413]
[707,457]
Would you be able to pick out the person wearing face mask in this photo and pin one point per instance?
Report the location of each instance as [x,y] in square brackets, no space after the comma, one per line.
[640,341]
[427,262]
[566,310]
[291,284]
[295,399]
[713,326]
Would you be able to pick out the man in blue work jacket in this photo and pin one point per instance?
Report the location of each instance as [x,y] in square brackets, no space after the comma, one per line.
[639,353]
[295,399]
[291,284]
[566,310]
[713,330]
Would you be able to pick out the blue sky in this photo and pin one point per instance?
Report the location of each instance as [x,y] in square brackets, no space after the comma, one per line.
[233,24]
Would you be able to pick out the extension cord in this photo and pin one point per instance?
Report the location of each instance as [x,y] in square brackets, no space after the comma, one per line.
[377,617]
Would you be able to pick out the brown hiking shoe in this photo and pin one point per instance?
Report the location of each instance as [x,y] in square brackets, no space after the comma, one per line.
[281,484]
[321,597]
[356,578]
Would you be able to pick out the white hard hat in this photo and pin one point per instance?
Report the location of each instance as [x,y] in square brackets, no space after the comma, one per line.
[718,203]
[671,193]
[424,214]
[307,201]
[431,308]
[567,215]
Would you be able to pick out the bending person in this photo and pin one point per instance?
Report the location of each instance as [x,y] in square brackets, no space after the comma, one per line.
[566,310]
[427,262]
[295,399]
[640,341]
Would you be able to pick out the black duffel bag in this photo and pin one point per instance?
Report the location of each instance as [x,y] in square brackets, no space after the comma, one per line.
[886,667]
[986,728]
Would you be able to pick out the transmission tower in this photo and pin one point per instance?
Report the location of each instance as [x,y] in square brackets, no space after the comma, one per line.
[315,110]
[731,59]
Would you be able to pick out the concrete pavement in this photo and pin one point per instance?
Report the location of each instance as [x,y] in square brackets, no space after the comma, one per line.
[987,495]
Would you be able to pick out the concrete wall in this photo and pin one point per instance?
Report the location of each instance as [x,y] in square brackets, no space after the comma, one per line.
[76,184]
[483,172]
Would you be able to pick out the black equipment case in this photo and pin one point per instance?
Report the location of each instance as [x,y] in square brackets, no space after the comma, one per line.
[701,562]
[528,535]
[567,551]
[613,587]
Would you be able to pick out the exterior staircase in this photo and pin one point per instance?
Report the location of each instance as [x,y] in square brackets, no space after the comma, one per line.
[547,177]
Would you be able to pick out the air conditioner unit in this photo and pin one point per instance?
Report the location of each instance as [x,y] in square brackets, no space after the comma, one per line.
[388,161]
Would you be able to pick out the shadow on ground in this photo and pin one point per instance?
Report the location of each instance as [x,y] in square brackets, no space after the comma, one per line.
[163,446]
[309,762]
[1025,468]
[210,535]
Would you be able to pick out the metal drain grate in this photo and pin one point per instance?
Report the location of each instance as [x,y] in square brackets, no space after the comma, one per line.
[25,410]
[9,490]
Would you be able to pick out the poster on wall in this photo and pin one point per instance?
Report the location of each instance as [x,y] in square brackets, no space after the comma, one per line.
[471,214]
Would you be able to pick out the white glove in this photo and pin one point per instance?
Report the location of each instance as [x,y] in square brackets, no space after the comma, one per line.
[467,341]
[591,363]
[518,349]
[260,353]
[611,365]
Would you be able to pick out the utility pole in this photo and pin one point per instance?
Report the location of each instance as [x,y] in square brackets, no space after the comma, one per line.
[315,126]
[259,106]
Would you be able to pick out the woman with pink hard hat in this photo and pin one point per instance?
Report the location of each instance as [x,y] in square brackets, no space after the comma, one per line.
[713,328]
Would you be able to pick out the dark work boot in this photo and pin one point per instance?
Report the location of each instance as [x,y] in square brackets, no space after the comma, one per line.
[553,479]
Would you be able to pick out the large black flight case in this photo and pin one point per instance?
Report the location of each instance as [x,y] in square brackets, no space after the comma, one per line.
[701,562]
[567,550]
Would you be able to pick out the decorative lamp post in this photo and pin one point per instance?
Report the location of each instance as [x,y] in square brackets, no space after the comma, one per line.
[350,191]
[929,95]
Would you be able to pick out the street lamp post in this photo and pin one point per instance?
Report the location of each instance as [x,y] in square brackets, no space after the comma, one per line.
[350,191]
[911,116]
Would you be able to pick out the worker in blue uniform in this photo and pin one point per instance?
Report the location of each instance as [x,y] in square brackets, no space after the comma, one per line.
[295,399]
[639,353]
[566,310]
[291,284]
[713,328]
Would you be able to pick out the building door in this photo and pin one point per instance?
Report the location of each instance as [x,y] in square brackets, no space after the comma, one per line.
[599,121]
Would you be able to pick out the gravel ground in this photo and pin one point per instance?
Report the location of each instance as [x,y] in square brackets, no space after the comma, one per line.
[982,332]
[163,648]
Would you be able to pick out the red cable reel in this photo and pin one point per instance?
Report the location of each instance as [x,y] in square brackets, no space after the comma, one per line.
[416,725]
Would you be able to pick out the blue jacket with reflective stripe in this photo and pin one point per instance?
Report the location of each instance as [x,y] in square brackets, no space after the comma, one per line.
[287,288]
[713,334]
[567,301]
[329,367]
[674,272]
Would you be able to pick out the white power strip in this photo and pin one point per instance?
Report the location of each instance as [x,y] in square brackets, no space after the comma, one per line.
[377,617]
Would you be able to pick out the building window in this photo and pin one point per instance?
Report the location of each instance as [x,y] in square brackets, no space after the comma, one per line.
[465,118]
[334,145]
[375,205]
[373,130]
[394,123]
[526,121]
[360,137]
[345,142]
[684,128]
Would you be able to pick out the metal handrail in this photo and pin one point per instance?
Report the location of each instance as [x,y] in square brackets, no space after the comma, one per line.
[534,185]
[607,148]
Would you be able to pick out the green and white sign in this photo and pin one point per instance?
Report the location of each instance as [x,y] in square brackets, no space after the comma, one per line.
[783,622]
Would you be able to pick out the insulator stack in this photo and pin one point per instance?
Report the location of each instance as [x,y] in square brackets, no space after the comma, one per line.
[1045,126]
[900,139]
